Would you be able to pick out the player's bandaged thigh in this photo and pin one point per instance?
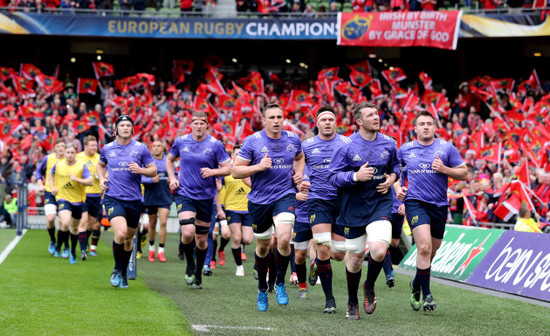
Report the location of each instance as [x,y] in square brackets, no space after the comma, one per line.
[202,229]
[284,218]
[338,246]
[145,219]
[324,238]
[379,231]
[188,221]
[50,209]
[223,222]
[356,245]
[264,235]
[301,245]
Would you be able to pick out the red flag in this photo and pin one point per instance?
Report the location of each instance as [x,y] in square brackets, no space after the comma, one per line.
[346,89]
[102,69]
[127,83]
[80,126]
[522,173]
[508,208]
[376,89]
[86,86]
[245,130]
[29,71]
[213,81]
[534,79]
[8,127]
[503,84]
[50,84]
[201,104]
[300,97]
[254,83]
[359,79]
[431,97]
[328,73]
[5,73]
[227,102]
[146,79]
[212,61]
[274,78]
[362,67]
[394,75]
[49,142]
[426,80]
[92,118]
[182,66]
[165,122]
[226,127]
[22,86]
[491,154]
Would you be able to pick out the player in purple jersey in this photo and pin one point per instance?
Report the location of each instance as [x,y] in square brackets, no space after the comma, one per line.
[125,160]
[322,204]
[274,159]
[157,201]
[364,170]
[397,217]
[428,163]
[302,234]
[202,158]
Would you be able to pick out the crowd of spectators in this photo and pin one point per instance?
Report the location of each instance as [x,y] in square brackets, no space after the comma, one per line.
[483,114]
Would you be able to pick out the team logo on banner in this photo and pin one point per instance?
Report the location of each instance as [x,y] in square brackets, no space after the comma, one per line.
[356,27]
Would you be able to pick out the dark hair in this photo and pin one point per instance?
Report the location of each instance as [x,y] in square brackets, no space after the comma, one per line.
[357,109]
[423,114]
[523,211]
[271,106]
[199,115]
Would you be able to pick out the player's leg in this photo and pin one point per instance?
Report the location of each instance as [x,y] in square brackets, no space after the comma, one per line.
[356,239]
[379,238]
[93,205]
[63,233]
[247,235]
[283,220]
[163,213]
[322,236]
[83,233]
[50,209]
[186,216]
[202,227]
[76,217]
[235,227]
[152,212]
[301,241]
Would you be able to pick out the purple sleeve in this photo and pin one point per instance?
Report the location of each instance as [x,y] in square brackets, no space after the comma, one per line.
[174,149]
[146,157]
[86,172]
[146,180]
[340,174]
[454,158]
[103,157]
[221,153]
[395,164]
[298,146]
[246,152]
[53,169]
[41,169]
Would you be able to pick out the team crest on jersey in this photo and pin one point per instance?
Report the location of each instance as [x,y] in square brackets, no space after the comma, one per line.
[439,153]
[291,148]
[346,231]
[311,219]
[425,165]
[134,154]
[265,150]
[61,206]
[179,207]
[315,151]
[356,158]
[414,221]
[254,227]
[384,154]
[110,211]
[207,151]
[374,170]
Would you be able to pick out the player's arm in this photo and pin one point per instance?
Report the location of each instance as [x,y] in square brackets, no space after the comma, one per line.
[39,173]
[242,169]
[299,165]
[100,170]
[224,170]
[150,170]
[340,174]
[52,180]
[248,182]
[87,178]
[458,172]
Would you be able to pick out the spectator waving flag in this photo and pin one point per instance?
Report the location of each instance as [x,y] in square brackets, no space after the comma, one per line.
[29,71]
[5,73]
[376,89]
[80,126]
[102,69]
[92,118]
[300,97]
[49,84]
[359,79]
[522,173]
[534,79]
[328,73]
[362,67]
[346,89]
[394,75]
[22,86]
[426,80]
[86,86]
[212,61]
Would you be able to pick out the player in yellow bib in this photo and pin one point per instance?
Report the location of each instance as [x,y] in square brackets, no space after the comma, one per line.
[236,212]
[67,181]
[91,210]
[42,174]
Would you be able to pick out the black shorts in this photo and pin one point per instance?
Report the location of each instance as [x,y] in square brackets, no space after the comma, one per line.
[154,209]
[237,217]
[420,213]
[93,207]
[302,236]
[202,208]
[131,210]
[322,211]
[262,214]
[49,198]
[396,225]
[75,209]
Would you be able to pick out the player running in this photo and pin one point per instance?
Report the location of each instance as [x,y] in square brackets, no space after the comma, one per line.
[364,170]
[67,181]
[125,160]
[428,162]
[274,159]
[91,210]
[322,204]
[202,158]
[157,200]
[42,174]
[397,218]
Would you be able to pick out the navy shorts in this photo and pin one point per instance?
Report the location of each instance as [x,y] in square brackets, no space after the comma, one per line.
[237,217]
[131,210]
[262,214]
[92,206]
[419,213]
[154,209]
[75,209]
[202,208]
[49,198]
[396,225]
[322,211]
[381,213]
[338,229]
[303,234]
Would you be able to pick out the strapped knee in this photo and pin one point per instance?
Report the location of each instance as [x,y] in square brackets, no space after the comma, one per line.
[188,221]
[202,229]
[264,235]
[301,245]
[50,209]
[324,238]
[338,246]
[356,245]
[284,218]
[379,231]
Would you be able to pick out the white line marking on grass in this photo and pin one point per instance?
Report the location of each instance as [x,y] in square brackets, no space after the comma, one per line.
[11,246]
[206,328]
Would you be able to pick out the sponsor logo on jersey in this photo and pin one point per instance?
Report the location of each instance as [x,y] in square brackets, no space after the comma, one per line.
[356,158]
[207,151]
[384,154]
[425,165]
[291,148]
[412,155]
[315,151]
[265,150]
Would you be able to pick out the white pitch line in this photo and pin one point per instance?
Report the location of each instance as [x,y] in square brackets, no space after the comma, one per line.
[206,328]
[11,246]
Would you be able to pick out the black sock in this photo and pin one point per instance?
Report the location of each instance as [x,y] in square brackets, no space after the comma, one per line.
[66,235]
[125,261]
[139,235]
[282,266]
[262,265]
[83,239]
[88,234]
[152,243]
[95,237]
[161,245]
[60,240]
[181,246]
[388,269]
[52,234]
[237,255]
[353,280]
[292,259]
[324,269]
[223,244]
[117,254]
[372,274]
[424,279]
[201,255]
[272,262]
[74,242]
[301,272]
[214,248]
[188,249]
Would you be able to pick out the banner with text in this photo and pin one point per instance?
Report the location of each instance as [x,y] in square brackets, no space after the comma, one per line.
[461,251]
[437,29]
[518,263]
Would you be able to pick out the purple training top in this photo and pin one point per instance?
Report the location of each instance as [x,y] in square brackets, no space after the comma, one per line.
[301,206]
[123,184]
[271,184]
[318,154]
[425,184]
[194,155]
